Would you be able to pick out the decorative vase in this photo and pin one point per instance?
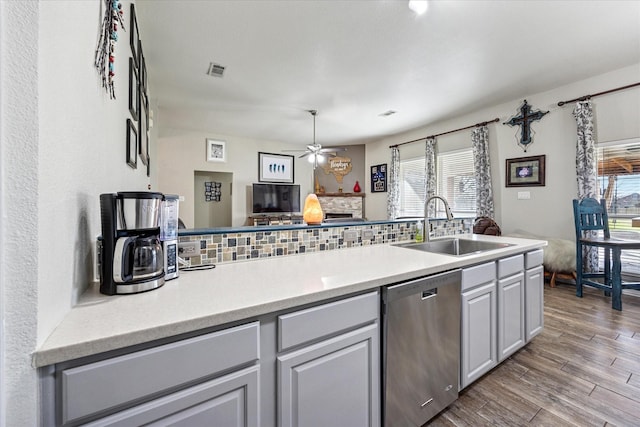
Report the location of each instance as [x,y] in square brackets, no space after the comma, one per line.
[356,188]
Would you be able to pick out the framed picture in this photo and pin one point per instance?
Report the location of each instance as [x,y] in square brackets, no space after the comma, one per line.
[142,69]
[379,178]
[275,168]
[143,129]
[134,36]
[216,150]
[134,97]
[132,144]
[525,171]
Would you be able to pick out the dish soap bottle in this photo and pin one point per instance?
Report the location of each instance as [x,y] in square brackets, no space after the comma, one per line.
[419,232]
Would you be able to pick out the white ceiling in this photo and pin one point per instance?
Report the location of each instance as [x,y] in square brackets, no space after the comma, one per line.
[352,60]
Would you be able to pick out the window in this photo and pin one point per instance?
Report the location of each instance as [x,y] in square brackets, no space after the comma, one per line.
[619,185]
[455,181]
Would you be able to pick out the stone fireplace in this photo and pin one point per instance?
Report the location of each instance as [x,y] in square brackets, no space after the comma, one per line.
[341,205]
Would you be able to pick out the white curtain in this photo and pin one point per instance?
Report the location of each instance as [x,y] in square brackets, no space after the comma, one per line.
[430,173]
[586,171]
[482,169]
[393,197]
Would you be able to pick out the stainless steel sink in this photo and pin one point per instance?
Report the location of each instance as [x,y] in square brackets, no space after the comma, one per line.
[454,246]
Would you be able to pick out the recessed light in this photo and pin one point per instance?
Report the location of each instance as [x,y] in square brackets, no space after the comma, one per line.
[387,113]
[418,6]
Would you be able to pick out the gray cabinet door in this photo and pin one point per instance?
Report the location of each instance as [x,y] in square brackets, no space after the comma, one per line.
[230,401]
[534,301]
[511,311]
[332,383]
[479,333]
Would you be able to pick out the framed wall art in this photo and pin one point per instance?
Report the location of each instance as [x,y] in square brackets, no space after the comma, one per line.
[275,168]
[132,144]
[216,150]
[134,94]
[525,171]
[379,178]
[134,37]
[143,129]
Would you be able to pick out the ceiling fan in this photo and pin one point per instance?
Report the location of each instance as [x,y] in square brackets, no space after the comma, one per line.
[315,152]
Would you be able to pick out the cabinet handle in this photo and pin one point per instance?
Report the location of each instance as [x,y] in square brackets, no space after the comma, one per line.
[426,403]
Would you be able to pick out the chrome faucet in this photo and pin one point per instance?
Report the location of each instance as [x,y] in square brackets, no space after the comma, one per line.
[447,210]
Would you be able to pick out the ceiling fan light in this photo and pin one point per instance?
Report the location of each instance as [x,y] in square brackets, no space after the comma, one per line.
[418,6]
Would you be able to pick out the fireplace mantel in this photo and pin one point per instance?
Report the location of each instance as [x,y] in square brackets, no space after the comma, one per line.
[340,194]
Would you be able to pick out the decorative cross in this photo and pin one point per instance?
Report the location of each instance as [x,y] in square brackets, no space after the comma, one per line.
[524,121]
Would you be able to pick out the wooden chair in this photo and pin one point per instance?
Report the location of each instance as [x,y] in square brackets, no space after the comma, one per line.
[591,217]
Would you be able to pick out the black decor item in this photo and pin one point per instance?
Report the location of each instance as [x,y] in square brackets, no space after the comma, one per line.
[132,144]
[134,96]
[524,121]
[134,37]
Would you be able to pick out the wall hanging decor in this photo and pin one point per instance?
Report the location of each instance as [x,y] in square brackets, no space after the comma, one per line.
[134,37]
[524,121]
[216,150]
[379,178]
[105,51]
[212,191]
[338,166]
[132,144]
[134,94]
[525,172]
[275,168]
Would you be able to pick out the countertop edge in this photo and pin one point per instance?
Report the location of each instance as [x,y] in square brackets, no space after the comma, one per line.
[66,349]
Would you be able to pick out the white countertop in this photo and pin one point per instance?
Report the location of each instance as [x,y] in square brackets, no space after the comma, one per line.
[243,290]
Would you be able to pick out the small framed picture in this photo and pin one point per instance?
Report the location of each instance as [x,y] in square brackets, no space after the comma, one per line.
[525,171]
[216,150]
[379,178]
[142,69]
[275,168]
[132,144]
[134,36]
[134,97]
[143,129]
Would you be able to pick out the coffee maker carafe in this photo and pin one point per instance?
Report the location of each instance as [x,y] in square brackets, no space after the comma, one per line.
[131,256]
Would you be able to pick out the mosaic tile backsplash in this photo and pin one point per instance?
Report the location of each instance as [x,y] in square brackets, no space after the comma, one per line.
[256,244]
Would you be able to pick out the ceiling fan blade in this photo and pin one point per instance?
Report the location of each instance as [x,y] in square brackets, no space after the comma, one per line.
[293,151]
[304,155]
[332,149]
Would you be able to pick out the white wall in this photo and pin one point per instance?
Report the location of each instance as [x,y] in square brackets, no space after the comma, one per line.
[548,212]
[181,152]
[63,143]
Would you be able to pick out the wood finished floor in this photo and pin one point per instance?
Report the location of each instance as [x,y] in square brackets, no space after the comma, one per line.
[582,370]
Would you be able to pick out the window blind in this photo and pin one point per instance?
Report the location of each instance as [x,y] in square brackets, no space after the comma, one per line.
[456,181]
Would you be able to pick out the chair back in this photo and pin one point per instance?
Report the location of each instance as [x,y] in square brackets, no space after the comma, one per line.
[590,215]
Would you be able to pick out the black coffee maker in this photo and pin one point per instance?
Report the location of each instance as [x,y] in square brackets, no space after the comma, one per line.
[131,258]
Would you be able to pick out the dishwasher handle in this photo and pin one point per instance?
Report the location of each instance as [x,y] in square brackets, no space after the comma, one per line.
[429,293]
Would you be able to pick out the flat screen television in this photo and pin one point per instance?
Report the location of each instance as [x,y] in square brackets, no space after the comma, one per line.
[276,198]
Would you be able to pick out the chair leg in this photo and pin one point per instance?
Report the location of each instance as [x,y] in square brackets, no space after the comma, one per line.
[578,268]
[552,282]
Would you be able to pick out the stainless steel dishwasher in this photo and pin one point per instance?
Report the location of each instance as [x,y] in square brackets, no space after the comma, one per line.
[421,348]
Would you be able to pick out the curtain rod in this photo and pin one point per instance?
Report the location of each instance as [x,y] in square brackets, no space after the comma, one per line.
[445,133]
[584,98]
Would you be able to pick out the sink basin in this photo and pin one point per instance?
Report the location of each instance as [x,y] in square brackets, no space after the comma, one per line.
[454,246]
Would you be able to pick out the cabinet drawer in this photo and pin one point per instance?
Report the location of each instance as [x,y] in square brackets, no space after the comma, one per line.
[533,259]
[477,275]
[511,265]
[109,383]
[325,320]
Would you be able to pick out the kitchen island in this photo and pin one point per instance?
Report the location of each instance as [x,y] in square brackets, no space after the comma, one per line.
[236,294]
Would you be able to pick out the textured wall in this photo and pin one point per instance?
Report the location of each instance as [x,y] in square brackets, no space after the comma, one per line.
[63,143]
[19,204]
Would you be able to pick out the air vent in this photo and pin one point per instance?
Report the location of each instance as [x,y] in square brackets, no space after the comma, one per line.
[387,113]
[215,70]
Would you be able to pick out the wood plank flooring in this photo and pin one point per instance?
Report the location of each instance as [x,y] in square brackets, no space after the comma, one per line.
[582,370]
